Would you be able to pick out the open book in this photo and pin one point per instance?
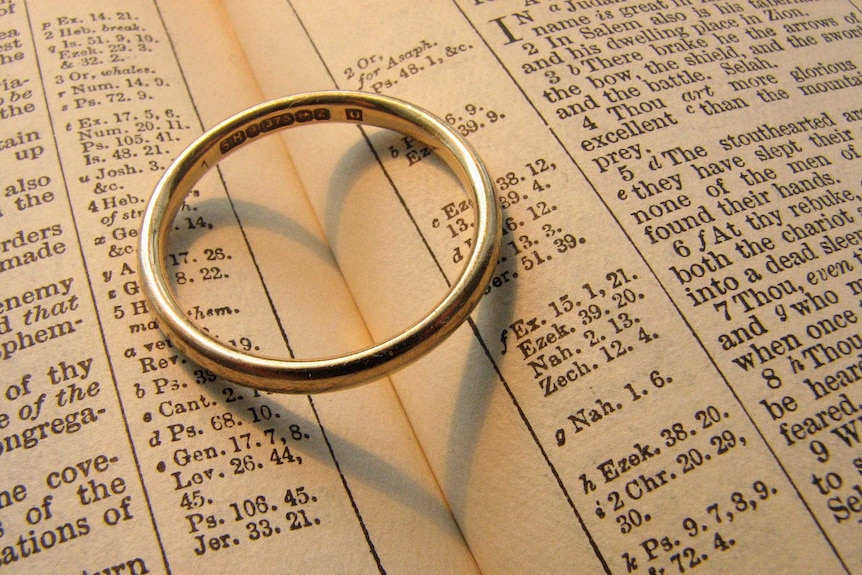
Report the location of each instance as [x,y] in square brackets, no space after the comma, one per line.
[662,378]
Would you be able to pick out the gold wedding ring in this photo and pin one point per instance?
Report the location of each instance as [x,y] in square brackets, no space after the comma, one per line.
[368,364]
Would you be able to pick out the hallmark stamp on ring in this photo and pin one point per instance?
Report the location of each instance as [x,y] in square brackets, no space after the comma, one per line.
[274,123]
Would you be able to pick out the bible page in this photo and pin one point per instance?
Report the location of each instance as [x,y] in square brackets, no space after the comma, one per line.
[663,375]
[117,455]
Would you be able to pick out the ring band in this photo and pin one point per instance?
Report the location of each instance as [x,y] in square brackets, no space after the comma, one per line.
[325,374]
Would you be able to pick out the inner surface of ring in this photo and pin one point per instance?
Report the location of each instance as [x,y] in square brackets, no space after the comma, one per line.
[267,372]
[229,139]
